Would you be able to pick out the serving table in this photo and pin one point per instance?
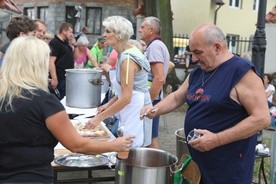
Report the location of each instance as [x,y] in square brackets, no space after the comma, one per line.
[81,174]
[104,172]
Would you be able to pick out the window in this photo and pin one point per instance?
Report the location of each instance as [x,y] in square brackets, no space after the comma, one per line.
[94,20]
[42,13]
[30,12]
[70,15]
[256,5]
[232,41]
[234,3]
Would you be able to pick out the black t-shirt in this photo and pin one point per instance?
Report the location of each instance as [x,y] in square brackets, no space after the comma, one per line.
[26,145]
[64,54]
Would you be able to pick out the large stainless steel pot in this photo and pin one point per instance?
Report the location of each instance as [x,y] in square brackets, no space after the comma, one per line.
[146,165]
[181,143]
[83,88]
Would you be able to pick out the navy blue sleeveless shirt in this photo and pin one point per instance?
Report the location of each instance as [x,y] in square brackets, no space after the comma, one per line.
[214,110]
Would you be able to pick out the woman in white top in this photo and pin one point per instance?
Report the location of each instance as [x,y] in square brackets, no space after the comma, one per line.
[269,88]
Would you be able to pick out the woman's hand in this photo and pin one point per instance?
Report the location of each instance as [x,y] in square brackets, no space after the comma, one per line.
[92,123]
[102,108]
[105,67]
[123,143]
[148,111]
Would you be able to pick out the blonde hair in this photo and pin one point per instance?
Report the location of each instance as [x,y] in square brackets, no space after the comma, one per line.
[25,67]
[48,36]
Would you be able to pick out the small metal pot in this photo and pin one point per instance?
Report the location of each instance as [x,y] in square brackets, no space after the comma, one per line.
[181,143]
[146,165]
[83,88]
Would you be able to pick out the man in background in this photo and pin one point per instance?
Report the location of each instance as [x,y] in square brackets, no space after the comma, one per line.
[41,28]
[158,55]
[97,52]
[61,58]
[83,32]
[18,26]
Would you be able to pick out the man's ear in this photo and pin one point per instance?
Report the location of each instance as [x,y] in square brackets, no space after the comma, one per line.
[217,47]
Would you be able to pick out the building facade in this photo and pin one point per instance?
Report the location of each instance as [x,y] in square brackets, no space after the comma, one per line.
[236,18]
[89,13]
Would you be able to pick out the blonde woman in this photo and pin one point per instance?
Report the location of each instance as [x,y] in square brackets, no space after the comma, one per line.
[82,54]
[33,121]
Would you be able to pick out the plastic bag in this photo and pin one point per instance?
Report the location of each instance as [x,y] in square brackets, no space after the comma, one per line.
[178,179]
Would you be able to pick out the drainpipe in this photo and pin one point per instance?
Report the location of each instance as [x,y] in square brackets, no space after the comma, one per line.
[216,13]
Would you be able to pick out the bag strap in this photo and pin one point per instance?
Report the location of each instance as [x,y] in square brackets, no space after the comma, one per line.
[178,179]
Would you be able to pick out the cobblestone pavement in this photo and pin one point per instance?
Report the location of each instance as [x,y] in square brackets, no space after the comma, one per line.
[169,124]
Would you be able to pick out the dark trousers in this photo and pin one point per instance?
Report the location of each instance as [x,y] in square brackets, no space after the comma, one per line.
[61,87]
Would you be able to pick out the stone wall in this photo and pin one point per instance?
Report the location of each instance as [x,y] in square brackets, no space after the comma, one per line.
[57,11]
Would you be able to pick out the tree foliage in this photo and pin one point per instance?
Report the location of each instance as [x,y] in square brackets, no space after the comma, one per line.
[162,10]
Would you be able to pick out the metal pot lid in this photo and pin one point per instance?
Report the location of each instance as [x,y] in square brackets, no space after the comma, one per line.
[81,160]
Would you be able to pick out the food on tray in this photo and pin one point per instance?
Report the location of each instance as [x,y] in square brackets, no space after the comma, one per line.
[99,131]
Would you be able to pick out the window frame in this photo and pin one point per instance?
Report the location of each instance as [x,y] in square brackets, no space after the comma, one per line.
[26,12]
[72,20]
[256,4]
[233,3]
[96,27]
[39,8]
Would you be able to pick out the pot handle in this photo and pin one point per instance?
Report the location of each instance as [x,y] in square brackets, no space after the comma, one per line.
[176,168]
[180,167]
[96,81]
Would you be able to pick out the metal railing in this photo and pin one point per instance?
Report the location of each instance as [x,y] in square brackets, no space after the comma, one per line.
[236,45]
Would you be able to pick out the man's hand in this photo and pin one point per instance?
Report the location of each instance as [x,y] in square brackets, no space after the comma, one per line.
[54,83]
[206,142]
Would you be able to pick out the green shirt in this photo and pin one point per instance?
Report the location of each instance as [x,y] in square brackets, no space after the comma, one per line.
[97,53]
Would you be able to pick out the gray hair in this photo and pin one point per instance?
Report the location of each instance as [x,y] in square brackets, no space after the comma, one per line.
[214,33]
[154,23]
[82,41]
[122,27]
[247,55]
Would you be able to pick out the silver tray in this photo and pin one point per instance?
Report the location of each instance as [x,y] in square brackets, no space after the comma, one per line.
[81,160]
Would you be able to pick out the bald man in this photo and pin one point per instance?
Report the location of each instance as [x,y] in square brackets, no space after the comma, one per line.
[227,107]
